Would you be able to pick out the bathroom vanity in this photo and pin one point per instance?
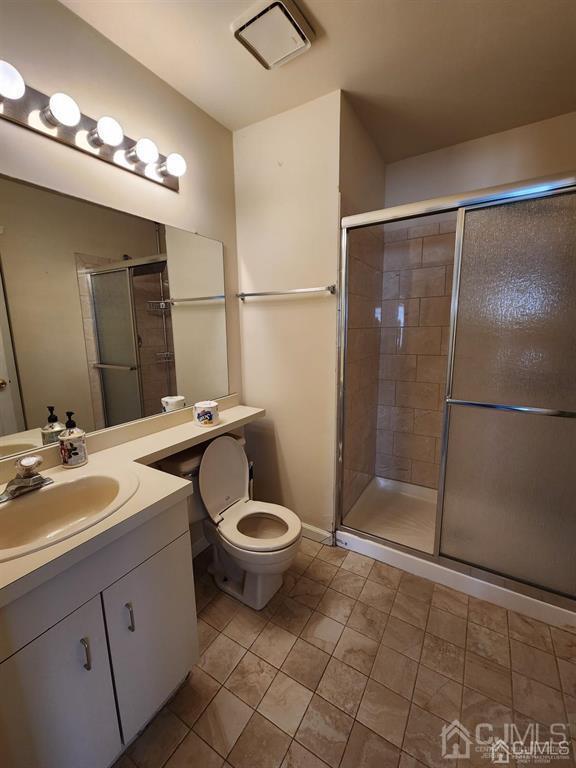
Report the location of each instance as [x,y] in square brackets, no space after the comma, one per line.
[99,629]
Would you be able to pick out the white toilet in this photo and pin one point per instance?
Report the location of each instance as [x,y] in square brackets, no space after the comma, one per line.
[254,543]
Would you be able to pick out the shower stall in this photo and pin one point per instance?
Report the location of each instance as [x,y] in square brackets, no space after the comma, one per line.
[458,381]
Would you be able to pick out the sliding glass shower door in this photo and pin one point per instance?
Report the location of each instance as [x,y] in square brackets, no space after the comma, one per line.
[509,490]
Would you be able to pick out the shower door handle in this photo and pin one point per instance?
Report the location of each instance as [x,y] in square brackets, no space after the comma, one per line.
[115,367]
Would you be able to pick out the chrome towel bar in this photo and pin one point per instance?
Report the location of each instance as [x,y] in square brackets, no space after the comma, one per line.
[294,291]
[197,298]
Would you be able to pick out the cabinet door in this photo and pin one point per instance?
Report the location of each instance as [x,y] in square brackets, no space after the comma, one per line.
[151,623]
[57,707]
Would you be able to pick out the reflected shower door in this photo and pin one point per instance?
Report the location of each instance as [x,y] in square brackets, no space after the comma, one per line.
[118,357]
[509,495]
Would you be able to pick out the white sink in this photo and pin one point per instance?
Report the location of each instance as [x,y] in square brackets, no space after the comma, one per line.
[44,517]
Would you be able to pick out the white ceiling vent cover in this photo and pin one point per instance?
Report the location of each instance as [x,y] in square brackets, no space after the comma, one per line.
[274,32]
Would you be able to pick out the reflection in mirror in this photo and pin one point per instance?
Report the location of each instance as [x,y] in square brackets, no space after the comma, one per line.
[101,313]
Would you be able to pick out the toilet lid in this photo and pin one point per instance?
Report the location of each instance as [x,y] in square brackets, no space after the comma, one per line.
[223,476]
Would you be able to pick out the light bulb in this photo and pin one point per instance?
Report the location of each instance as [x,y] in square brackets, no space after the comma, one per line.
[108,131]
[174,165]
[12,85]
[62,110]
[144,151]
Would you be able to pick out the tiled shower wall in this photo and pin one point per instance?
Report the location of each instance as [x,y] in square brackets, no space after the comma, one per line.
[416,290]
[362,360]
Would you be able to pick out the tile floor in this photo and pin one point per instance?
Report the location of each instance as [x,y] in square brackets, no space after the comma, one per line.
[355,664]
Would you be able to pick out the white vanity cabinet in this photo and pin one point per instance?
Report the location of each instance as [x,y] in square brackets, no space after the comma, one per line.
[150,630]
[56,697]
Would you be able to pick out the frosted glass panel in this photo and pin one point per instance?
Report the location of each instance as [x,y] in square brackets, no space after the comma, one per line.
[509,499]
[121,396]
[516,328]
[113,313]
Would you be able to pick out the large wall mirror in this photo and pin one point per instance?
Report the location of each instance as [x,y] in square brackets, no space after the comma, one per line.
[101,313]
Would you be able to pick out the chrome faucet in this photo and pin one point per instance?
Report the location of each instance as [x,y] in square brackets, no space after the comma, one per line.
[26,480]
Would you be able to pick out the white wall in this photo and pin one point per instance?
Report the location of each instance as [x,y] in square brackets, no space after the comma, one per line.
[538,149]
[55,50]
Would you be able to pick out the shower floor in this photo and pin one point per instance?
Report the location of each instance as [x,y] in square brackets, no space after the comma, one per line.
[400,512]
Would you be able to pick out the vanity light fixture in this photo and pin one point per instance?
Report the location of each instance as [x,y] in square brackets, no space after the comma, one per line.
[108,131]
[144,151]
[174,165]
[12,84]
[62,110]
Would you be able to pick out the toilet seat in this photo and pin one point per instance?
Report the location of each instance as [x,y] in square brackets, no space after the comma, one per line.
[246,508]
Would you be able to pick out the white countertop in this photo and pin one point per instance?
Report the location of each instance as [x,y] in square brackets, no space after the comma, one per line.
[157,491]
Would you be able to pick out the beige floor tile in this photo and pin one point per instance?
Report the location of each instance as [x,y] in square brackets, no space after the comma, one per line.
[444,657]
[365,749]
[437,694]
[194,751]
[530,631]
[306,664]
[534,663]
[410,609]
[564,644]
[543,704]
[567,676]
[285,703]
[325,730]
[492,645]
[333,555]
[307,592]
[450,600]
[245,626]
[416,586]
[357,650]
[322,631]
[488,678]
[403,637]
[358,564]
[377,595]
[292,616]
[477,709]
[384,712]
[320,571]
[194,696]
[251,679]
[422,739]
[155,745]
[300,563]
[223,721]
[206,634]
[407,761]
[367,620]
[488,615]
[447,626]
[348,583]
[261,745]
[395,671]
[309,547]
[336,605]
[221,657]
[299,757]
[273,644]
[289,581]
[342,686]
[385,574]
[220,611]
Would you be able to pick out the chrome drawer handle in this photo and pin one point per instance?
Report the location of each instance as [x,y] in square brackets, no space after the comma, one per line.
[86,645]
[132,625]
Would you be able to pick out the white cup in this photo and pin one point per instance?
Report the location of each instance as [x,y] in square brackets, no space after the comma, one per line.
[173,403]
[206,413]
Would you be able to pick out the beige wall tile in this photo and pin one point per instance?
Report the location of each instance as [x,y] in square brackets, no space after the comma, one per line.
[392,467]
[392,235]
[386,390]
[397,419]
[384,441]
[448,226]
[390,285]
[417,447]
[438,249]
[362,312]
[435,311]
[430,281]
[388,341]
[445,341]
[417,394]
[402,255]
[425,473]
[363,280]
[401,313]
[432,368]
[363,342]
[420,341]
[428,422]
[398,367]
[424,230]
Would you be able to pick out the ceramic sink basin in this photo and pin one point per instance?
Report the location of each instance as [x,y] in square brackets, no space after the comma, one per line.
[55,512]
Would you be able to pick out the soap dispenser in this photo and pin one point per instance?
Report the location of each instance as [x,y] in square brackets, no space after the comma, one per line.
[73,450]
[51,432]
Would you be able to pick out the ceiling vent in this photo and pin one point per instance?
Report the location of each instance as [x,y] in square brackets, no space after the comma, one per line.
[274,32]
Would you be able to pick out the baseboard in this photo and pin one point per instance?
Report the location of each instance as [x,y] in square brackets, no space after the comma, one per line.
[316,534]
[470,585]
